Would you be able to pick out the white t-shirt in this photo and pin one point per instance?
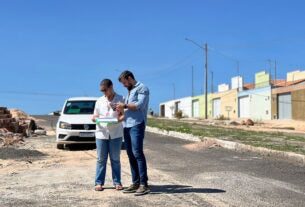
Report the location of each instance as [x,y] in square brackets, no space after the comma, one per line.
[104,110]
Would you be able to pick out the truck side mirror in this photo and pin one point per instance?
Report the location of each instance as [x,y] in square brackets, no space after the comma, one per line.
[56,113]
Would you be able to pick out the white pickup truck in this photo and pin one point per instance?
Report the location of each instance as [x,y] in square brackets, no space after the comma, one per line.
[74,125]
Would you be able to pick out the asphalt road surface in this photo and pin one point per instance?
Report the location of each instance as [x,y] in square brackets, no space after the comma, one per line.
[181,173]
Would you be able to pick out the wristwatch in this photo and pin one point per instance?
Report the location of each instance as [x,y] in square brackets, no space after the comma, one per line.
[125,106]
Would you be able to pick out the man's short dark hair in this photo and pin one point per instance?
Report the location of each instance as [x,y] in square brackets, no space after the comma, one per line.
[106,82]
[125,74]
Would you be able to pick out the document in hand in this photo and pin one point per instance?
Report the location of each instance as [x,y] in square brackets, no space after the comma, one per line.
[107,120]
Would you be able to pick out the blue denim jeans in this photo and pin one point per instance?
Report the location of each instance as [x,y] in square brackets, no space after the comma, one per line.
[113,148]
[134,137]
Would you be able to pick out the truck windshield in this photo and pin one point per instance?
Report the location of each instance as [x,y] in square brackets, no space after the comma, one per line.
[79,107]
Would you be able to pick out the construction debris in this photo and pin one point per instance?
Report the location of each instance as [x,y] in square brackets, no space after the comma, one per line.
[14,125]
[10,138]
[232,123]
[40,132]
[18,114]
[248,122]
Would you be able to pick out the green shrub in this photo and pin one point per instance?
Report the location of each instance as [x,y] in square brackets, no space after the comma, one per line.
[222,117]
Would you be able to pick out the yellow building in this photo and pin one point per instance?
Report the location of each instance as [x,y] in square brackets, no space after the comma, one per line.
[295,75]
[225,104]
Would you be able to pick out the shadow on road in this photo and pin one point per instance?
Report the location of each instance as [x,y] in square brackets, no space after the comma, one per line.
[172,189]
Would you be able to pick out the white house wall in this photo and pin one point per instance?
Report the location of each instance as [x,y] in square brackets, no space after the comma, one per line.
[169,109]
[259,103]
[237,82]
[185,106]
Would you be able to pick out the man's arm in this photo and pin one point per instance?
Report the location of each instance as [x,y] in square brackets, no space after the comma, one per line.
[143,94]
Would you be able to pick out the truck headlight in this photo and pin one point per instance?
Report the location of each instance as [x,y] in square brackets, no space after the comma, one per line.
[64,125]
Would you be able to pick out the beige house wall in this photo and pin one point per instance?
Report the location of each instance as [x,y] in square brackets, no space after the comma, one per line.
[228,99]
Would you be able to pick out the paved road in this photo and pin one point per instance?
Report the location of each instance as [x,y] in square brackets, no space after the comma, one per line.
[237,179]
[181,173]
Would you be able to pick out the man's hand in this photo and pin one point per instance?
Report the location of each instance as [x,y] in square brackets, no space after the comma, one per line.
[120,106]
[130,106]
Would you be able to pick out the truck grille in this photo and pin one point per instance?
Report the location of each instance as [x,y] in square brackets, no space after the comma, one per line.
[83,126]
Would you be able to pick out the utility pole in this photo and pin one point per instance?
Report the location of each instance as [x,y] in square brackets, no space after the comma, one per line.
[192,81]
[205,52]
[212,87]
[270,65]
[206,81]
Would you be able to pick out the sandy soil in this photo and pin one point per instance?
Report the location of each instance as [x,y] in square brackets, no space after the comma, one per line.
[38,174]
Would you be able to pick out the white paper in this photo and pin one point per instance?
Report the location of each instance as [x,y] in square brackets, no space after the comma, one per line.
[107,120]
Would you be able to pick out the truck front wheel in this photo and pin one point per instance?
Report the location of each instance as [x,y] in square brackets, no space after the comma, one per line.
[60,146]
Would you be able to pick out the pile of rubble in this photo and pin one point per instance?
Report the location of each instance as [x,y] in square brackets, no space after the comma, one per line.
[9,138]
[14,126]
[248,122]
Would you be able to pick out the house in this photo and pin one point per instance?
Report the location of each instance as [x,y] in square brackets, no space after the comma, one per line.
[288,99]
[198,106]
[224,102]
[264,99]
[170,108]
[255,103]
[295,75]
[255,100]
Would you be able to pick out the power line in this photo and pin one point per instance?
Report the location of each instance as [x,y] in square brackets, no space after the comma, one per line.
[172,67]
[268,43]
[223,54]
[34,93]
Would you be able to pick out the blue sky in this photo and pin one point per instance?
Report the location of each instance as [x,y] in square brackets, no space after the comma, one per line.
[51,50]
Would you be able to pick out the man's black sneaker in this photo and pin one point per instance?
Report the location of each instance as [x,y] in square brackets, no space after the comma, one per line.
[142,190]
[131,189]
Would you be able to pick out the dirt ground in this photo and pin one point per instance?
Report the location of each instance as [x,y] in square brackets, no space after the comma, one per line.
[38,174]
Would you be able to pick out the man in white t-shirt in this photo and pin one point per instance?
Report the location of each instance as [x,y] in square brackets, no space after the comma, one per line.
[108,135]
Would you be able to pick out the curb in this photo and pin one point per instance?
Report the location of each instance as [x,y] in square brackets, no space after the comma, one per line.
[290,156]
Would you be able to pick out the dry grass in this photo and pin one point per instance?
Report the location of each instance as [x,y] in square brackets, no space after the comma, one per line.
[272,140]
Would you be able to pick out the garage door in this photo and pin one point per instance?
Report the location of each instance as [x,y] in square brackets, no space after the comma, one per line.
[195,108]
[243,107]
[284,106]
[216,107]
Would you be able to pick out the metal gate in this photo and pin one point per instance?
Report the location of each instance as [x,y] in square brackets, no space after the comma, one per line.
[284,106]
[216,107]
[195,106]
[243,107]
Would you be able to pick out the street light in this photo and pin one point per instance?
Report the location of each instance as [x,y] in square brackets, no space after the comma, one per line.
[205,50]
